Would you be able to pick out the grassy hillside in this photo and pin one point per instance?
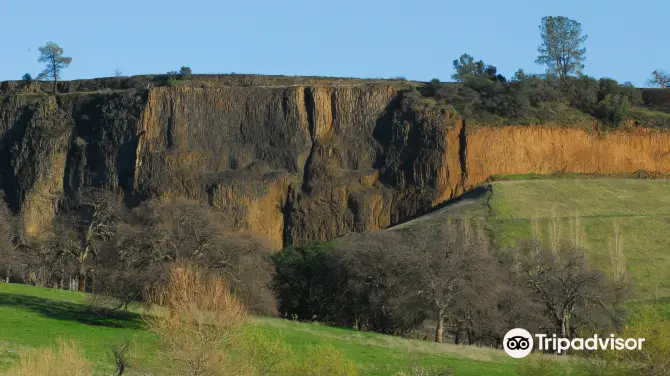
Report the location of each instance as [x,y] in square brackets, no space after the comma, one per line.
[587,209]
[33,317]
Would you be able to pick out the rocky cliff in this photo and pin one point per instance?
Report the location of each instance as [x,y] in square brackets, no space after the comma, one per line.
[295,160]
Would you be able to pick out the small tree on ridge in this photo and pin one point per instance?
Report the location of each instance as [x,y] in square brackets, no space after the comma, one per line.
[659,78]
[52,55]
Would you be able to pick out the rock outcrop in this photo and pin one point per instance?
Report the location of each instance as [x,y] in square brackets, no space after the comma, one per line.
[297,161]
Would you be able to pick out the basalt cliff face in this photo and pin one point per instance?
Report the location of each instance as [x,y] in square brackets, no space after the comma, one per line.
[296,161]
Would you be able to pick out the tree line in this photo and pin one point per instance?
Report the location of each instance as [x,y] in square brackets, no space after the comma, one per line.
[485,95]
[96,244]
[448,275]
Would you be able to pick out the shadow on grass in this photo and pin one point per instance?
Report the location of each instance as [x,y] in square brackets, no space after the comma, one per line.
[71,312]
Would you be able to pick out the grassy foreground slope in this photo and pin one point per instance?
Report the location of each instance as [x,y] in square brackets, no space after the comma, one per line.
[585,209]
[32,317]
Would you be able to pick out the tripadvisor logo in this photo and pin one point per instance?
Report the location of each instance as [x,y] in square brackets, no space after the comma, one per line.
[518,343]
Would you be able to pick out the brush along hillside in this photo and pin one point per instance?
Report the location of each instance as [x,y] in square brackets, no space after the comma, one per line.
[300,159]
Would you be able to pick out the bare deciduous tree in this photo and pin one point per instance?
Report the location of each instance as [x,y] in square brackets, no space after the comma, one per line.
[157,234]
[564,282]
[89,222]
[451,263]
[41,259]
[659,78]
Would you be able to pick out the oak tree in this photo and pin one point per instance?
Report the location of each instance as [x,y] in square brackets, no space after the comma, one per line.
[451,263]
[149,239]
[565,283]
[89,222]
[466,67]
[659,78]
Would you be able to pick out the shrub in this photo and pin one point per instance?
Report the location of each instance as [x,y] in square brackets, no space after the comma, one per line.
[79,142]
[582,92]
[612,109]
[201,326]
[172,78]
[185,72]
[433,87]
[607,86]
[633,94]
[65,360]
[27,78]
[201,320]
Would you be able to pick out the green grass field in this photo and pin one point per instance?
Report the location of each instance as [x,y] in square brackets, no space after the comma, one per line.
[32,317]
[640,208]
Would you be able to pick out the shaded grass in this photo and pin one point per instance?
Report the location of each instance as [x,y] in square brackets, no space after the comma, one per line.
[34,317]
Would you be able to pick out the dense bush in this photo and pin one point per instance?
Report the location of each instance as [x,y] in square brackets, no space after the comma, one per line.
[433,87]
[348,286]
[612,109]
[485,96]
[306,282]
[185,73]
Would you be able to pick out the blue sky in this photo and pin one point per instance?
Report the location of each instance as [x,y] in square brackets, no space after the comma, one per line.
[416,39]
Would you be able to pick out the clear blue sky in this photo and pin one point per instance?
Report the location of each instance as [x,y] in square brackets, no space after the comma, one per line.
[417,39]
